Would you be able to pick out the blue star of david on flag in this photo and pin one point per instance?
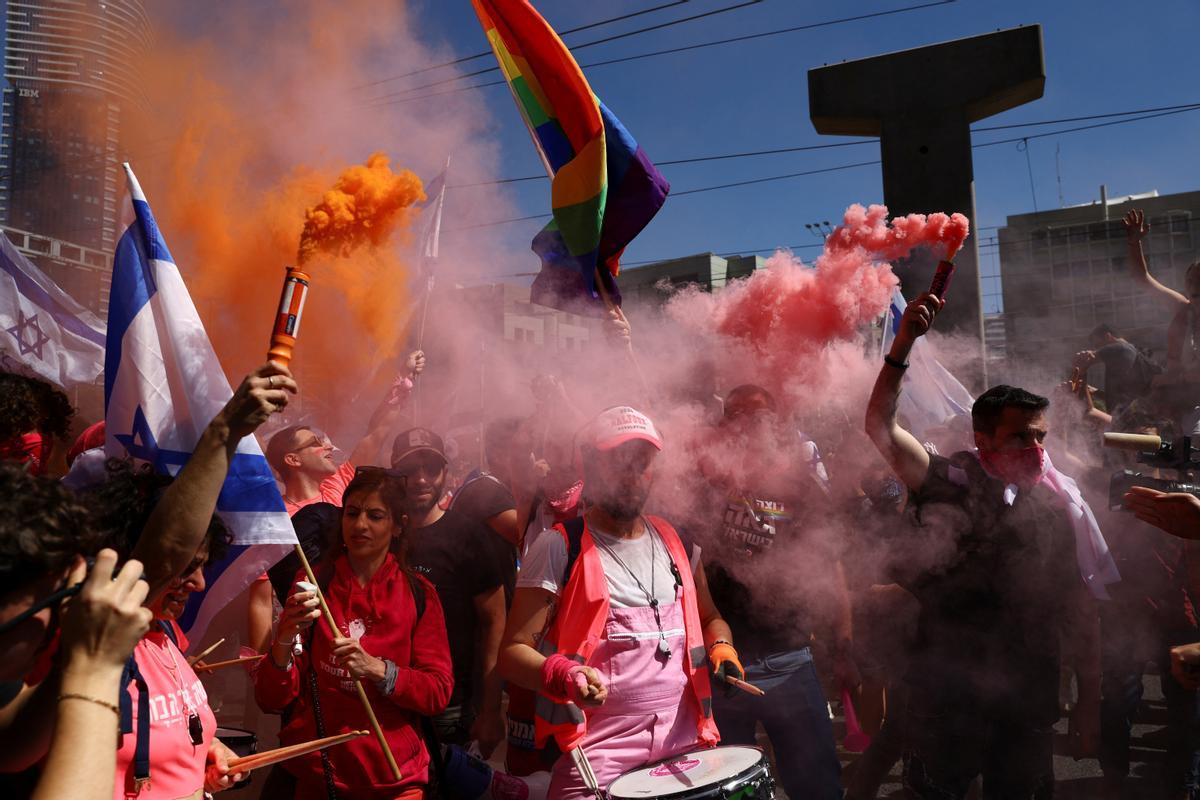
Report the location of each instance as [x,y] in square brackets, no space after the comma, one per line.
[163,384]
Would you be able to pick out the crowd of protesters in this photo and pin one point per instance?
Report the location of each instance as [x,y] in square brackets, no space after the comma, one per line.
[551,604]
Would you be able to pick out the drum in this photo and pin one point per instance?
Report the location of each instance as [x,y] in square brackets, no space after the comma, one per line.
[722,773]
[242,743]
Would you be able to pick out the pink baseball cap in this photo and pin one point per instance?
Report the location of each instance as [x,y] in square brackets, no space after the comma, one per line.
[615,426]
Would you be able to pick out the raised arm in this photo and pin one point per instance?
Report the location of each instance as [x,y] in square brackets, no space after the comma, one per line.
[903,453]
[388,414]
[1136,229]
[180,521]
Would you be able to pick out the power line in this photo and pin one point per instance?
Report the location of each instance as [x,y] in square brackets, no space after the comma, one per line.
[474,56]
[830,145]
[686,192]
[863,163]
[376,101]
[607,39]
[989,243]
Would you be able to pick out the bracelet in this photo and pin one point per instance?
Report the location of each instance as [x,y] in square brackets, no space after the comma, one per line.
[891,362]
[281,667]
[96,700]
[719,641]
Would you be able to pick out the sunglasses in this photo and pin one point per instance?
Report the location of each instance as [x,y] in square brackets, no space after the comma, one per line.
[394,474]
[46,602]
[319,440]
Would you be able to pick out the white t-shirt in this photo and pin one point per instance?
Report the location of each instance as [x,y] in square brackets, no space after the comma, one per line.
[543,565]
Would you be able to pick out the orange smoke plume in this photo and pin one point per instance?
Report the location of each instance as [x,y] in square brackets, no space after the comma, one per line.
[364,207]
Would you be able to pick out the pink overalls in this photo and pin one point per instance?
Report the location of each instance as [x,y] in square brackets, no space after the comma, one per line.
[647,715]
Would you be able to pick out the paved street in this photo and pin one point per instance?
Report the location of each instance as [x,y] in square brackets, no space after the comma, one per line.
[1081,780]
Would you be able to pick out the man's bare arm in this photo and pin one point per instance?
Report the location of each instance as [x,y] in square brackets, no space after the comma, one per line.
[903,453]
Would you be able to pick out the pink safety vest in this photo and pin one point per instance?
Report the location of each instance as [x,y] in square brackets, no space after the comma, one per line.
[578,627]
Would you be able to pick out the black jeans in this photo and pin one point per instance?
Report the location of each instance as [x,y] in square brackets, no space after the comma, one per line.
[952,745]
[453,726]
[796,718]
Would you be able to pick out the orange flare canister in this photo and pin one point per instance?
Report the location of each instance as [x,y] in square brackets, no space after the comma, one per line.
[287,321]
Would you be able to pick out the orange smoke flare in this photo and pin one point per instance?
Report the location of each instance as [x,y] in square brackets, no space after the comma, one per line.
[364,207]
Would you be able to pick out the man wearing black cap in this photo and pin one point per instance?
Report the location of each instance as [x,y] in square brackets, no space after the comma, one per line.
[464,560]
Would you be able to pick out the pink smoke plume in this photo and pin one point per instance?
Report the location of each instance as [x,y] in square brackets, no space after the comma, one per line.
[789,315]
[868,229]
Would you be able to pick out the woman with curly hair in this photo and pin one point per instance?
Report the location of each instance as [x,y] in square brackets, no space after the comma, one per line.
[391,637]
[168,746]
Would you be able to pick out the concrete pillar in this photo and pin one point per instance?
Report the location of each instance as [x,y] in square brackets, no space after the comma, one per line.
[921,103]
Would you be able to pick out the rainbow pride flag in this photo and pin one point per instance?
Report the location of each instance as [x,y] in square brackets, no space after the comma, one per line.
[605,189]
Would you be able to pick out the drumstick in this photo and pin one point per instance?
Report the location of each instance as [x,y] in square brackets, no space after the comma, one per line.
[749,688]
[585,770]
[193,660]
[247,763]
[229,663]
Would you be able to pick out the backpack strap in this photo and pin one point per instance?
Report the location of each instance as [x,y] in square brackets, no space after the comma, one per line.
[574,529]
[141,749]
[418,593]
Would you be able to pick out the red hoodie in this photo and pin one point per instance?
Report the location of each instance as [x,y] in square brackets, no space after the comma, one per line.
[382,615]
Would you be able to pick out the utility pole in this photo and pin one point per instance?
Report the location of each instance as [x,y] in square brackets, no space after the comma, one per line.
[921,103]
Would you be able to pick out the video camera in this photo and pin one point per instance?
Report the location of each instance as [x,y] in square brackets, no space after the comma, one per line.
[1179,456]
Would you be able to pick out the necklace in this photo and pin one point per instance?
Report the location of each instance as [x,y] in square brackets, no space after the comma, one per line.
[194,725]
[664,648]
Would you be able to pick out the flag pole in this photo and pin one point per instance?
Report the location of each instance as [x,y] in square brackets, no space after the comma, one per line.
[421,346]
[362,694]
[283,340]
[630,354]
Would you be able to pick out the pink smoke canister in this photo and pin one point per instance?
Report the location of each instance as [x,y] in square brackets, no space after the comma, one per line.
[941,279]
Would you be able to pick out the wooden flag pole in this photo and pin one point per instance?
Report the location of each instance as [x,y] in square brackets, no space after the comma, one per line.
[283,339]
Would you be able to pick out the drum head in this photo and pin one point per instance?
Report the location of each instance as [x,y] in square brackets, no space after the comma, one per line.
[697,773]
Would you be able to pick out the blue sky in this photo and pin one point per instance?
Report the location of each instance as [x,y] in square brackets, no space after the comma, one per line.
[1100,57]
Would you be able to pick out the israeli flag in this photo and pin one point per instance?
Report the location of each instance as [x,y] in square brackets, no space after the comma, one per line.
[163,384]
[932,395]
[43,330]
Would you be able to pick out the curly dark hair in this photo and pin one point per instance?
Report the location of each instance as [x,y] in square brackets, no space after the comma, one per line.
[122,505]
[56,411]
[28,404]
[20,407]
[43,528]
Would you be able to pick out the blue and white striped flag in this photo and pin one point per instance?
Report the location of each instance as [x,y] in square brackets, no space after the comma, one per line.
[932,395]
[163,384]
[43,330]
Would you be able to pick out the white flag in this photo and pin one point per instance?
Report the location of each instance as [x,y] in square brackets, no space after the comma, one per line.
[43,331]
[932,395]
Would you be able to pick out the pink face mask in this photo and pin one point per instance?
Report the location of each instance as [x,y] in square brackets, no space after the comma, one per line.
[31,449]
[1025,467]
